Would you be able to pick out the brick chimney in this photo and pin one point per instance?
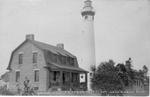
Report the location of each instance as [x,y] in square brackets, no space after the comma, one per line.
[30,37]
[60,45]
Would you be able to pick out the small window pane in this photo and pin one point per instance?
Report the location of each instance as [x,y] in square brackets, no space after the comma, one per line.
[72,61]
[56,75]
[35,57]
[54,58]
[74,77]
[63,60]
[20,58]
[36,75]
[60,58]
[17,76]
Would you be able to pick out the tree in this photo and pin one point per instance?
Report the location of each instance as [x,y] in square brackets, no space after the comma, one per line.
[93,68]
[123,75]
[145,69]
[128,63]
[130,72]
[106,79]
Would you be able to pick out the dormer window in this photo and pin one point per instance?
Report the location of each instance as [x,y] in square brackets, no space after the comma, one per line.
[60,58]
[54,58]
[20,58]
[35,57]
[63,60]
[68,60]
[72,61]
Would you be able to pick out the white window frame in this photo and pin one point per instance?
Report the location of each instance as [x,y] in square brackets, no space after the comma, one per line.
[16,75]
[37,56]
[36,69]
[22,57]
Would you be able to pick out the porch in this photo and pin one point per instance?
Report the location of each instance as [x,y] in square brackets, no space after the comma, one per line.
[65,80]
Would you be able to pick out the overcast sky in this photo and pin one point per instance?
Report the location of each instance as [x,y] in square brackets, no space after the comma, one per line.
[122,27]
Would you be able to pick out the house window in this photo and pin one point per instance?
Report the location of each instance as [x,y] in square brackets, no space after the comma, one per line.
[17,76]
[36,75]
[20,58]
[54,58]
[72,61]
[66,77]
[60,58]
[56,75]
[74,77]
[63,60]
[35,57]
[68,60]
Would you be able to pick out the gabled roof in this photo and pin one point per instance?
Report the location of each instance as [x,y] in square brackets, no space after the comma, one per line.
[44,47]
[52,49]
[58,51]
[13,53]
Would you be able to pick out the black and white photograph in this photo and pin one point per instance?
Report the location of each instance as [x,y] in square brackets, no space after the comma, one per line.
[74,47]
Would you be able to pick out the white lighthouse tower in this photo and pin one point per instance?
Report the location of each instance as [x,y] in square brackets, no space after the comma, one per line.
[88,41]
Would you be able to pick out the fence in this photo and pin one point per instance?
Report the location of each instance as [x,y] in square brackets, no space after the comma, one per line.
[94,93]
[71,93]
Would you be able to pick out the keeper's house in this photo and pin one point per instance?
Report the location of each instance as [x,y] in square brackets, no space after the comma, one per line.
[47,67]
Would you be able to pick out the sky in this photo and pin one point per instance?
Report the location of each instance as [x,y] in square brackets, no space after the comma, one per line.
[122,27]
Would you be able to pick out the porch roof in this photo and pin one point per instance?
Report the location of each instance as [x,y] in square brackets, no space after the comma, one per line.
[54,65]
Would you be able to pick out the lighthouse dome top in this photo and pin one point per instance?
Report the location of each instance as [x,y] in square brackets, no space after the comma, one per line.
[88,9]
[88,3]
